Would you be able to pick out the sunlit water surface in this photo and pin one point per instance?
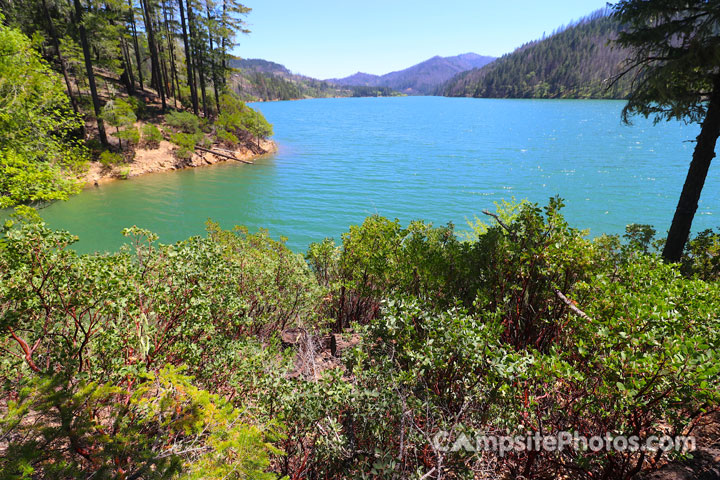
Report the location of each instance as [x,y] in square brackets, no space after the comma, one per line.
[438,159]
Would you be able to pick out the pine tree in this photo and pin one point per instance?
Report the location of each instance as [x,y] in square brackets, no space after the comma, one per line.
[676,68]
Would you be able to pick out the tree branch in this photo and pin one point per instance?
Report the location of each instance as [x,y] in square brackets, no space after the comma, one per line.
[571,305]
[26,349]
[500,222]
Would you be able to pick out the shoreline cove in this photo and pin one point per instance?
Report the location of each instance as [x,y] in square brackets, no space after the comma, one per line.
[162,160]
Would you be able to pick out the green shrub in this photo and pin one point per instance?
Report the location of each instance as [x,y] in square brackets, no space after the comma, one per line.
[702,256]
[152,135]
[120,114]
[592,336]
[110,159]
[186,143]
[226,137]
[130,135]
[237,118]
[525,326]
[139,107]
[243,285]
[186,122]
[163,427]
[40,152]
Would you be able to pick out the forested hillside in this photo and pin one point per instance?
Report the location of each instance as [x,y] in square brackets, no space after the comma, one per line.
[576,62]
[96,81]
[421,79]
[257,79]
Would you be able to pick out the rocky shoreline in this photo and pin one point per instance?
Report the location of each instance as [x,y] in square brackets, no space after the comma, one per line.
[162,159]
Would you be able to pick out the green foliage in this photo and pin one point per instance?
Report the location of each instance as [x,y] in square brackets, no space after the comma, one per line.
[139,107]
[444,370]
[151,135]
[23,180]
[633,358]
[40,155]
[130,135]
[207,294]
[162,428]
[237,120]
[185,122]
[255,123]
[702,256]
[574,62]
[121,115]
[110,159]
[226,137]
[186,142]
[524,326]
[674,53]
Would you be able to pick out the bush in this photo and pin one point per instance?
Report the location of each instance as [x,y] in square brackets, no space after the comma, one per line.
[525,327]
[226,137]
[186,143]
[588,336]
[237,118]
[109,159]
[160,427]
[138,106]
[151,135]
[41,153]
[702,256]
[186,122]
[130,135]
[120,114]
[208,294]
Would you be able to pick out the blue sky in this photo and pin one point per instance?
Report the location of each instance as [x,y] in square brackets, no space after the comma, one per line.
[336,38]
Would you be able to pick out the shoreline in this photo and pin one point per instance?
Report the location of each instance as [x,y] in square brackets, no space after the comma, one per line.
[162,159]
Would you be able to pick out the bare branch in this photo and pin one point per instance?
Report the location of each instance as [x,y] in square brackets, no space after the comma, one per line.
[571,305]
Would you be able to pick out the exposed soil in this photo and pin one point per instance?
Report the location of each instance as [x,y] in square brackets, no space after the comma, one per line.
[705,461]
[317,353]
[162,158]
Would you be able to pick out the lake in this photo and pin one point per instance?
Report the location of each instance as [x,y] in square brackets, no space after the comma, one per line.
[433,158]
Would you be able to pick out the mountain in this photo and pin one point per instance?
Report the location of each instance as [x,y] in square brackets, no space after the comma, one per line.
[575,62]
[421,79]
[260,65]
[359,78]
[257,79]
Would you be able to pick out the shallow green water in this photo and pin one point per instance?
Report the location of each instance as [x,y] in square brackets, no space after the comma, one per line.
[439,159]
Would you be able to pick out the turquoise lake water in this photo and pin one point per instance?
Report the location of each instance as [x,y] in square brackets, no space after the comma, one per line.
[433,158]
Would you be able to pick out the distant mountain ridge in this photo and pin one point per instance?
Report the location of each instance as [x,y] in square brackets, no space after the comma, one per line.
[258,79]
[578,61]
[421,79]
[260,65]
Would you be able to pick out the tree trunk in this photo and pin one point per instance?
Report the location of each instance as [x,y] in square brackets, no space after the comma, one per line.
[171,47]
[128,61]
[156,80]
[135,43]
[213,67]
[90,74]
[126,77]
[188,61]
[702,156]
[163,66]
[197,55]
[61,59]
[223,48]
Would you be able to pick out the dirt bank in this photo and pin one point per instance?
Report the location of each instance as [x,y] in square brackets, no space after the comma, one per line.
[162,159]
